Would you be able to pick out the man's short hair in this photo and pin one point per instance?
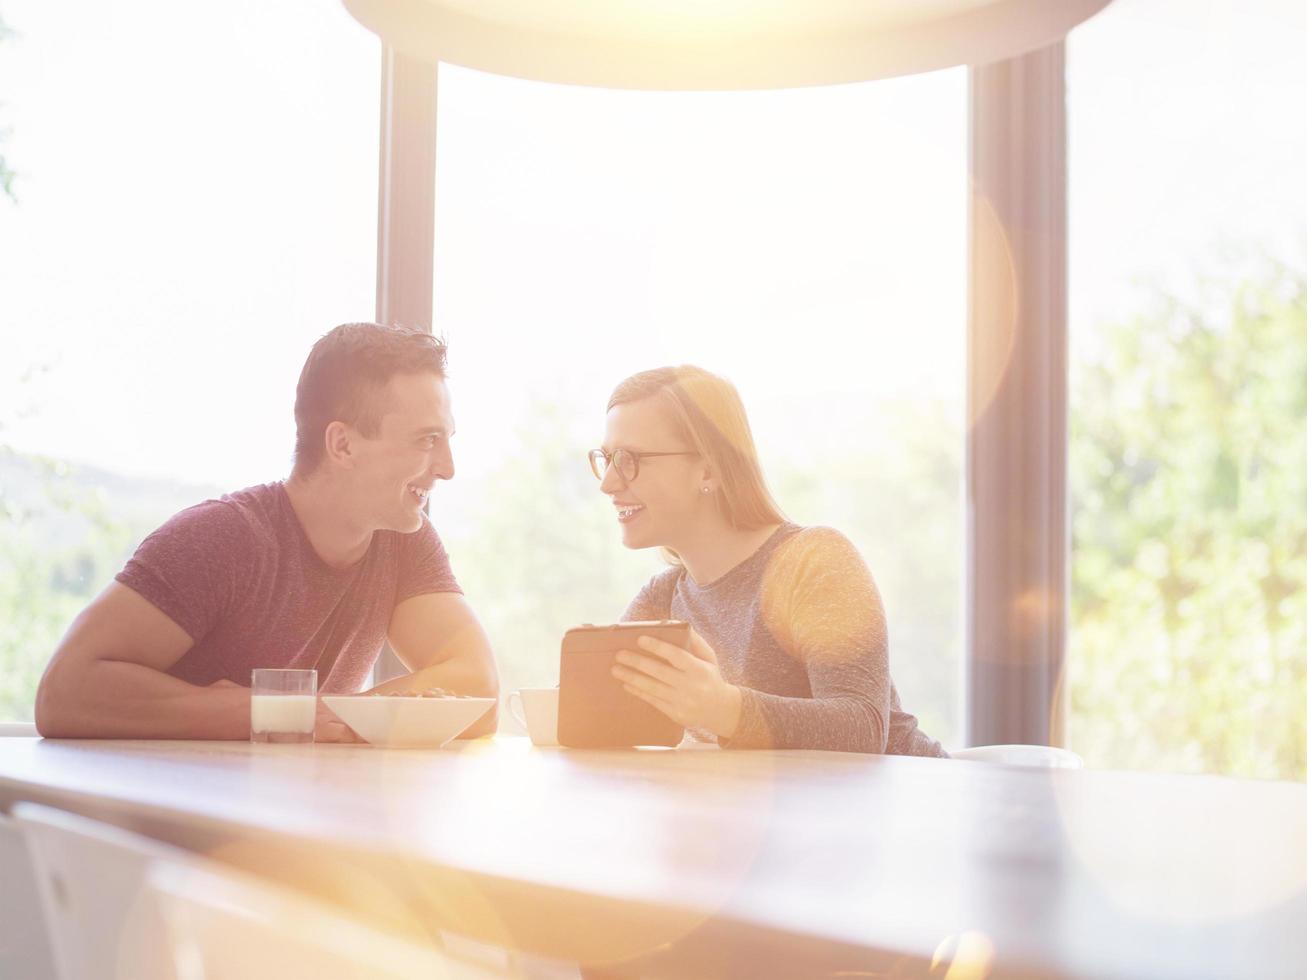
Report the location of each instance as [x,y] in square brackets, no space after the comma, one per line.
[345,376]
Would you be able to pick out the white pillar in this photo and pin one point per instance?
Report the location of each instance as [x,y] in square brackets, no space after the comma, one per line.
[406,212]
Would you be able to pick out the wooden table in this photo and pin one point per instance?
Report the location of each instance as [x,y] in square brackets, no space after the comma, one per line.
[714,863]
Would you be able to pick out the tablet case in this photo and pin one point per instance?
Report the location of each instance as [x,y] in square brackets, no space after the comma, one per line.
[594,710]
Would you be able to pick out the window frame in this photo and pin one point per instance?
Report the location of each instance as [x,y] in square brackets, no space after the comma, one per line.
[1017,544]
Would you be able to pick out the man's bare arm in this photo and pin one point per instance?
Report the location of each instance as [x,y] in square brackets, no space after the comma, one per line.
[108,679]
[437,636]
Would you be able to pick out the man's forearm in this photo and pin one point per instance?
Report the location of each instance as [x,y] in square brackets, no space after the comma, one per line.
[458,675]
[116,699]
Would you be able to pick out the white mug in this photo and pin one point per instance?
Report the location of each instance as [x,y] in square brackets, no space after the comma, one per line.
[536,710]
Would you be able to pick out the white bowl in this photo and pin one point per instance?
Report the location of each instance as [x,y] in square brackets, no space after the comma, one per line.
[403,722]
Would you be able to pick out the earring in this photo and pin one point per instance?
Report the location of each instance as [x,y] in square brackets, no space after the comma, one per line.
[705,489]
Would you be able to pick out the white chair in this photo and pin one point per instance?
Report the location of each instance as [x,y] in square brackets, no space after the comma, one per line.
[92,880]
[24,946]
[17,729]
[1039,756]
[225,926]
[120,906]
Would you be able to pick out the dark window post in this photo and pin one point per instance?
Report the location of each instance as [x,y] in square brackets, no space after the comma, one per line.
[1017,545]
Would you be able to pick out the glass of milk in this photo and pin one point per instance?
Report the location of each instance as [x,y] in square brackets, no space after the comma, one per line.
[283,705]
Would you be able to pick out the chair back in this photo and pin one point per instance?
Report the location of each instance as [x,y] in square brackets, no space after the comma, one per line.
[91,877]
[227,926]
[24,941]
[1039,756]
[119,906]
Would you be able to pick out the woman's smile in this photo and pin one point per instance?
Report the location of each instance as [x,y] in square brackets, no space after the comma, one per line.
[627,512]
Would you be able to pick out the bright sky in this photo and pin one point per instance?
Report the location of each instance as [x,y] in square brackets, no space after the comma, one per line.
[198,204]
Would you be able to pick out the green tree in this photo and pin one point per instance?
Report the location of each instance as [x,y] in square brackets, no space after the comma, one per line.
[1189,489]
[64,532]
[6,173]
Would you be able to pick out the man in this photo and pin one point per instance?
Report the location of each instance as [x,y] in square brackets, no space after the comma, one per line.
[312,572]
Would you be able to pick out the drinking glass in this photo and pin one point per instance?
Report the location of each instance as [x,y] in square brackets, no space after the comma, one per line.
[283,705]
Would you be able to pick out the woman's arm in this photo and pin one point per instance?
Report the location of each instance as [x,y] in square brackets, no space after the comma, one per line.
[822,607]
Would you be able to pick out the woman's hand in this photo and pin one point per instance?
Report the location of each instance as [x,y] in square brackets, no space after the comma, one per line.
[685,685]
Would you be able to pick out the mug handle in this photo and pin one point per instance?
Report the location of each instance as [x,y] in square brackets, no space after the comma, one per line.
[516,710]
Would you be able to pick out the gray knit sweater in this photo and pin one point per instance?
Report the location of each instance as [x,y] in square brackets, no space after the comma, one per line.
[800,627]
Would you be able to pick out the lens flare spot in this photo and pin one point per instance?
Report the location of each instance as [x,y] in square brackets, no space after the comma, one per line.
[967,956]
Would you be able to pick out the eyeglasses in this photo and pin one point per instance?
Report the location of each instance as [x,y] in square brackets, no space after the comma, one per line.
[626,461]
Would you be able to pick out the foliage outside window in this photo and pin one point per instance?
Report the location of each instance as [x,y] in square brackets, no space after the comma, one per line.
[1189,495]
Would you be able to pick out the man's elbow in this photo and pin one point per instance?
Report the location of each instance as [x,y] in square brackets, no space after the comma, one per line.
[483,675]
[60,708]
[51,707]
[485,685]
[488,682]
[480,687]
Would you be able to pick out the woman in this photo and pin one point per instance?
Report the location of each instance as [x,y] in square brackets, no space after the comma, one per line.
[788,644]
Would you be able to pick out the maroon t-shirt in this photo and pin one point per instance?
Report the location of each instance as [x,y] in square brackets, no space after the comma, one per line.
[239,575]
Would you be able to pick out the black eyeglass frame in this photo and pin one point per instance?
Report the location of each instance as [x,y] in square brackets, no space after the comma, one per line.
[611,459]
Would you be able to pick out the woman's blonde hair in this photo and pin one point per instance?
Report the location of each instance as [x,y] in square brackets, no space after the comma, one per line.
[710,415]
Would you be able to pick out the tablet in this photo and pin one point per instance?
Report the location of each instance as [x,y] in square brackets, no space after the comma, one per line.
[594,709]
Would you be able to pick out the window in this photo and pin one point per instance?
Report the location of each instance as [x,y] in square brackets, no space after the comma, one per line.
[1189,385]
[192,215]
[196,204]
[809,245]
